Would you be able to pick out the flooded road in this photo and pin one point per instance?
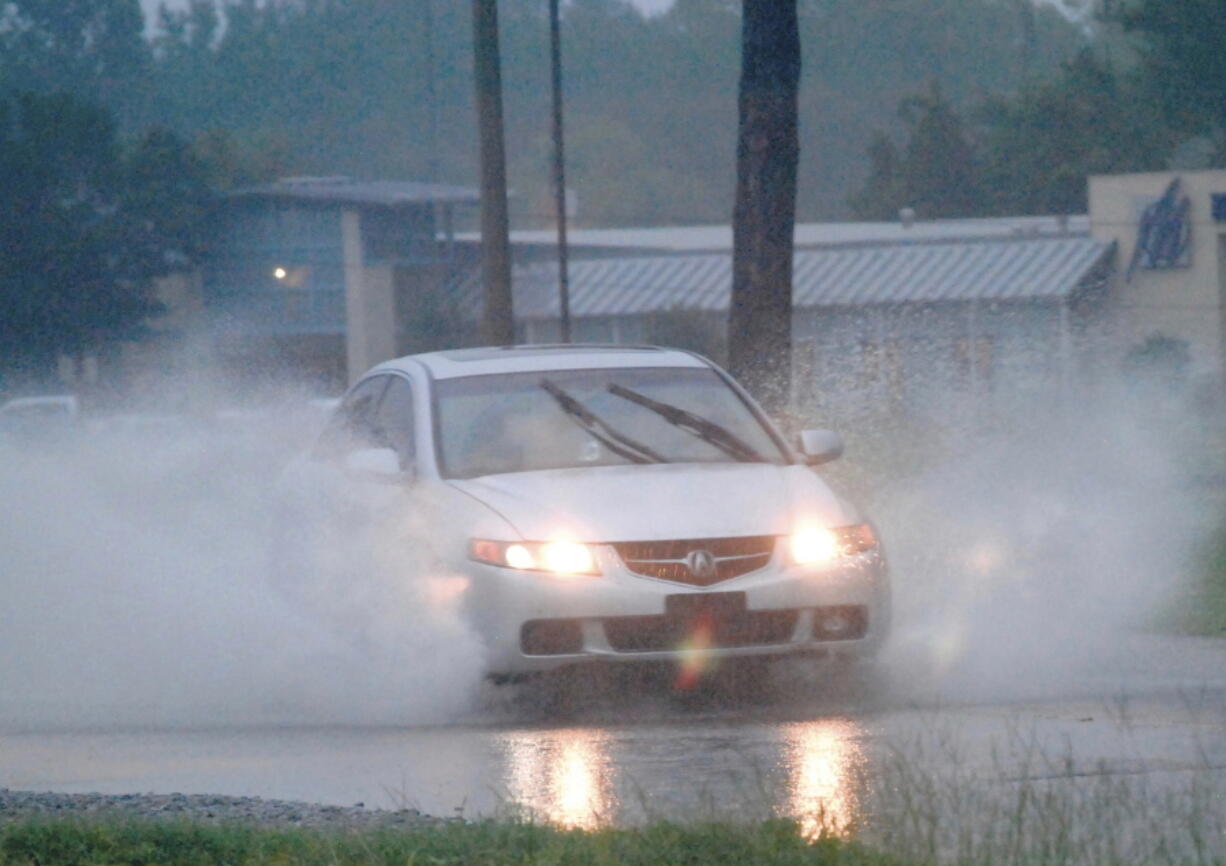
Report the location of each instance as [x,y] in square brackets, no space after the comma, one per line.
[833,753]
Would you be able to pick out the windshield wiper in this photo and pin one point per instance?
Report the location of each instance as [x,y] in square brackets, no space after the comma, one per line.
[704,428]
[617,442]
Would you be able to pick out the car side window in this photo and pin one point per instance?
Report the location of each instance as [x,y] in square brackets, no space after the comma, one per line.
[355,423]
[395,419]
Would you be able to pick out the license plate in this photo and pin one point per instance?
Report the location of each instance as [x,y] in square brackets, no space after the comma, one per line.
[714,604]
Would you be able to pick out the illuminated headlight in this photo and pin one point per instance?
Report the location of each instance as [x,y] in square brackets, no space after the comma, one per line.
[812,545]
[555,557]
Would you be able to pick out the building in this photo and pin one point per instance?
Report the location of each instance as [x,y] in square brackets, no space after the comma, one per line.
[1170,229]
[917,315]
[911,311]
[322,273]
[329,275]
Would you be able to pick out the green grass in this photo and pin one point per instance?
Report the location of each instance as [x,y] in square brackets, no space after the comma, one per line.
[1202,609]
[109,842]
[929,803]
[1208,615]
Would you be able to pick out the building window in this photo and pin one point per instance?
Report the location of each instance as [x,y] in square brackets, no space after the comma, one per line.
[399,236]
[1218,201]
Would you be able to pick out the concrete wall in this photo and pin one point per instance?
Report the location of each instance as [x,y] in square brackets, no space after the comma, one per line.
[1182,302]
[370,304]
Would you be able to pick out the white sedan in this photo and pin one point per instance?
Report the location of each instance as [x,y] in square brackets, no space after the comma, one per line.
[593,503]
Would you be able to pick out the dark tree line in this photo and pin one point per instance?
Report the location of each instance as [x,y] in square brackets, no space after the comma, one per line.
[87,221]
[345,86]
[94,49]
[92,208]
[1183,62]
[1030,152]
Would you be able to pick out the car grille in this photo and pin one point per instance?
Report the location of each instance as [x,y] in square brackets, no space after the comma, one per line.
[666,560]
[663,633]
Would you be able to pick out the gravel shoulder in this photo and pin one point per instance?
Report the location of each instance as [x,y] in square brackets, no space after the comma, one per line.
[207,808]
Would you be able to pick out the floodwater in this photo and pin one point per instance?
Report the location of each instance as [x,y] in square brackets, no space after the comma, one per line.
[835,753]
[1019,709]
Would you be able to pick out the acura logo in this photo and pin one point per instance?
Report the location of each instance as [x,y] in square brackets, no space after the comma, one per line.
[701,563]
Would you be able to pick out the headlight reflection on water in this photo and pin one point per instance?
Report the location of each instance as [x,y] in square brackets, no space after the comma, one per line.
[823,761]
[567,777]
[563,777]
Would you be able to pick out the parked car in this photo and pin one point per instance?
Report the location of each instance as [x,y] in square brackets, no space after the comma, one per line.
[41,417]
[605,503]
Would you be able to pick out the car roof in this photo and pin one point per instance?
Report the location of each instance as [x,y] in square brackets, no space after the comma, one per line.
[64,401]
[452,364]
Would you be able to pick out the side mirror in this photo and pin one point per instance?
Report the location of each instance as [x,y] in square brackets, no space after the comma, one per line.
[376,464]
[820,446]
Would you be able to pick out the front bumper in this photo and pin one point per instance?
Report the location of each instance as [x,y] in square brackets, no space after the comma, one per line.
[532,621]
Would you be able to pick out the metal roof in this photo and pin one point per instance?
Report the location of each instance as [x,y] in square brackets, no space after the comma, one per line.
[718,238]
[346,190]
[984,270]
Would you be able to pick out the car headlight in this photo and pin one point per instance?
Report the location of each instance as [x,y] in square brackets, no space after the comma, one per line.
[555,557]
[811,545]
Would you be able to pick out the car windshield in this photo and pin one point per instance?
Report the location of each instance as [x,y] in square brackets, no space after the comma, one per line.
[561,419]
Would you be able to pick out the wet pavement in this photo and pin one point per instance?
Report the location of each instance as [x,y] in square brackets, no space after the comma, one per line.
[830,748]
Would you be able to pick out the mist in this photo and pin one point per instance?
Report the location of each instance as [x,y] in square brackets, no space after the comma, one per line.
[1040,540]
[134,556]
[1027,548]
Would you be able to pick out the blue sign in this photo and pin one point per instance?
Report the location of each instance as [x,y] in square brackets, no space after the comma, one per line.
[1218,199]
[1164,233]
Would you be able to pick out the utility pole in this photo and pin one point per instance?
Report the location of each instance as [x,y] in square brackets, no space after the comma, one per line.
[1030,38]
[497,323]
[559,170]
[431,93]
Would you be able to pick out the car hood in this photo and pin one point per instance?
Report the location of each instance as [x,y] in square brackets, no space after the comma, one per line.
[652,502]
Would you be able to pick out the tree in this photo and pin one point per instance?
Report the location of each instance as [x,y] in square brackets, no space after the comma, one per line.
[940,179]
[233,161]
[764,218]
[164,200]
[86,228]
[937,173]
[94,49]
[497,321]
[1040,145]
[351,88]
[1181,46]
[1031,153]
[884,190]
